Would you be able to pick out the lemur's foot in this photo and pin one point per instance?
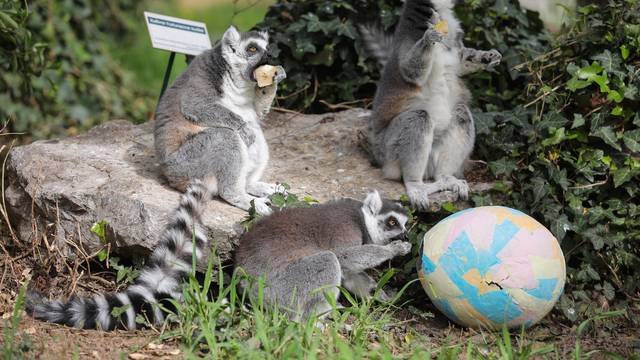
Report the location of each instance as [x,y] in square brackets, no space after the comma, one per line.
[492,58]
[386,295]
[418,194]
[262,206]
[459,187]
[261,189]
[280,74]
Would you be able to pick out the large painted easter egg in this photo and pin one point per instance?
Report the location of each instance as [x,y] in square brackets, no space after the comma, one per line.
[492,266]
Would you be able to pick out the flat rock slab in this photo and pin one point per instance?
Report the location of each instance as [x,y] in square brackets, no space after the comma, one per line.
[57,189]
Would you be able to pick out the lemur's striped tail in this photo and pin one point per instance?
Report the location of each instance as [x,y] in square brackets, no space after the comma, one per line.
[159,282]
[378,43]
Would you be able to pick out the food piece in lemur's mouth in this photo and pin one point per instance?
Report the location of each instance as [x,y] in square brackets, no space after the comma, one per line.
[264,75]
[442,26]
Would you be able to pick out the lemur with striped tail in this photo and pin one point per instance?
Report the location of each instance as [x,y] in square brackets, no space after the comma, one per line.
[421,129]
[208,122]
[160,280]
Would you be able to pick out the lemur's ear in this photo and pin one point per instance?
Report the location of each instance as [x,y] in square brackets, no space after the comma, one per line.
[231,36]
[265,34]
[372,203]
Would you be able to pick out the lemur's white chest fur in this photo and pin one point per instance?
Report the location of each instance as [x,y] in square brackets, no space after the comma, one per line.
[240,100]
[440,86]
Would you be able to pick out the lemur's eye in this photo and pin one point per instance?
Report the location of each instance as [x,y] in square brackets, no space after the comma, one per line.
[252,49]
[392,222]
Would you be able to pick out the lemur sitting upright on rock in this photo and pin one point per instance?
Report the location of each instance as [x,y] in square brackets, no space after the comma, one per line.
[207,125]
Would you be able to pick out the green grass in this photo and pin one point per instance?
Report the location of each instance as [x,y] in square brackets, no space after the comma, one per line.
[148,64]
[232,324]
[12,348]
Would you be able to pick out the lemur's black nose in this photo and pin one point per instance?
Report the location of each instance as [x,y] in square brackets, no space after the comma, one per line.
[402,237]
[264,60]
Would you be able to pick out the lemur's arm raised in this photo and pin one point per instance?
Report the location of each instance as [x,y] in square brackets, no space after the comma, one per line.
[474,60]
[363,257]
[265,95]
[414,65]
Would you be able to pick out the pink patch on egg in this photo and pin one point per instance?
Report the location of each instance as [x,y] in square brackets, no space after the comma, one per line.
[530,243]
[478,225]
[515,269]
[514,272]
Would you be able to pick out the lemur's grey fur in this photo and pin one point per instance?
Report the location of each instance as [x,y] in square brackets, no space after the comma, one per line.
[207,124]
[421,127]
[160,281]
[306,252]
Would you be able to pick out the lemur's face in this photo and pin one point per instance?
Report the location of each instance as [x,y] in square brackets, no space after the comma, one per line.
[385,220]
[245,51]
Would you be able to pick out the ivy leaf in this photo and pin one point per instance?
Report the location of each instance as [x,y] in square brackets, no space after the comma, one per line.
[346,29]
[503,166]
[616,111]
[589,72]
[632,140]
[624,51]
[608,291]
[574,84]
[559,226]
[117,311]
[277,199]
[555,139]
[606,133]
[102,255]
[540,189]
[578,121]
[100,228]
[622,175]
[609,61]
[449,207]
[615,96]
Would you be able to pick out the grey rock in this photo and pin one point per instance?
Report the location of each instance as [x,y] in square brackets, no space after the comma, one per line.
[57,189]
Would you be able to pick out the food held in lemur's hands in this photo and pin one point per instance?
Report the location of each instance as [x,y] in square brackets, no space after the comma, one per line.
[442,26]
[265,74]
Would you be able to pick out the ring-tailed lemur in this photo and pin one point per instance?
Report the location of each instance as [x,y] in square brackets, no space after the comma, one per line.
[300,250]
[207,124]
[160,281]
[421,127]
[303,252]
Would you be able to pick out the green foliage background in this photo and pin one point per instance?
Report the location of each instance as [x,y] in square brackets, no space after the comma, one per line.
[57,74]
[318,44]
[557,122]
[569,144]
[69,65]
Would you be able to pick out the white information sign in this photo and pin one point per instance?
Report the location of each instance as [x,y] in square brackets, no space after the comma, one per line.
[177,35]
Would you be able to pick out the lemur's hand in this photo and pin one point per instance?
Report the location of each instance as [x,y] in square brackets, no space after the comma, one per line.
[399,247]
[492,58]
[432,34]
[280,74]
